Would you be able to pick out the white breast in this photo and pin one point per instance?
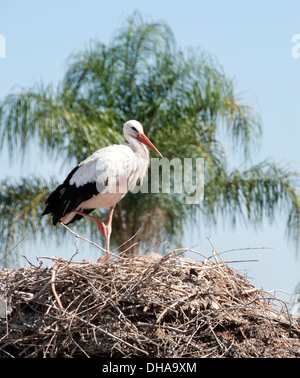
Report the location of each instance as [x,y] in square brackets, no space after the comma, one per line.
[116,170]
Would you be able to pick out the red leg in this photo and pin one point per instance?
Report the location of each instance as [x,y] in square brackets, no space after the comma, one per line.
[104,229]
[99,222]
[109,227]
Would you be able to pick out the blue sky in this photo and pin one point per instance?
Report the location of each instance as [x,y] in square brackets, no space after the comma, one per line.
[251,39]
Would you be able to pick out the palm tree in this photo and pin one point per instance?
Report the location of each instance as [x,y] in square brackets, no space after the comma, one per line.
[183,98]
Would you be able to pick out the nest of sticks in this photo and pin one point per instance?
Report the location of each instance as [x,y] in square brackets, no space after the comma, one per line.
[166,306]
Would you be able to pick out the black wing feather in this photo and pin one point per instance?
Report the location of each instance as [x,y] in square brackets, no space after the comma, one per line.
[66,198]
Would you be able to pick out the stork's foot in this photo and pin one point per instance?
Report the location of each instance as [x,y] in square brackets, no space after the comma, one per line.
[104,258]
[102,227]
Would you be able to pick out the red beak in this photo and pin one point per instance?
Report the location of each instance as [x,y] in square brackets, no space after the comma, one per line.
[142,138]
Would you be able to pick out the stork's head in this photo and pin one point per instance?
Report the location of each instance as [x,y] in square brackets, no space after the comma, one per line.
[133,129]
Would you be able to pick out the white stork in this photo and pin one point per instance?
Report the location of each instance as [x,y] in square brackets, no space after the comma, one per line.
[102,180]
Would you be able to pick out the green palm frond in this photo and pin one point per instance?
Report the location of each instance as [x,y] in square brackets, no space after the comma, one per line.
[20,208]
[264,190]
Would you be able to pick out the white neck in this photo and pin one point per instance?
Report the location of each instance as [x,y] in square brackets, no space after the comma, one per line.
[138,147]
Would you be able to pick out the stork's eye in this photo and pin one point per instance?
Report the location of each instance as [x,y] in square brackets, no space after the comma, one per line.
[134,129]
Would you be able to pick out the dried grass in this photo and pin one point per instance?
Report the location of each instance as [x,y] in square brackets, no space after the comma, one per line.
[141,307]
